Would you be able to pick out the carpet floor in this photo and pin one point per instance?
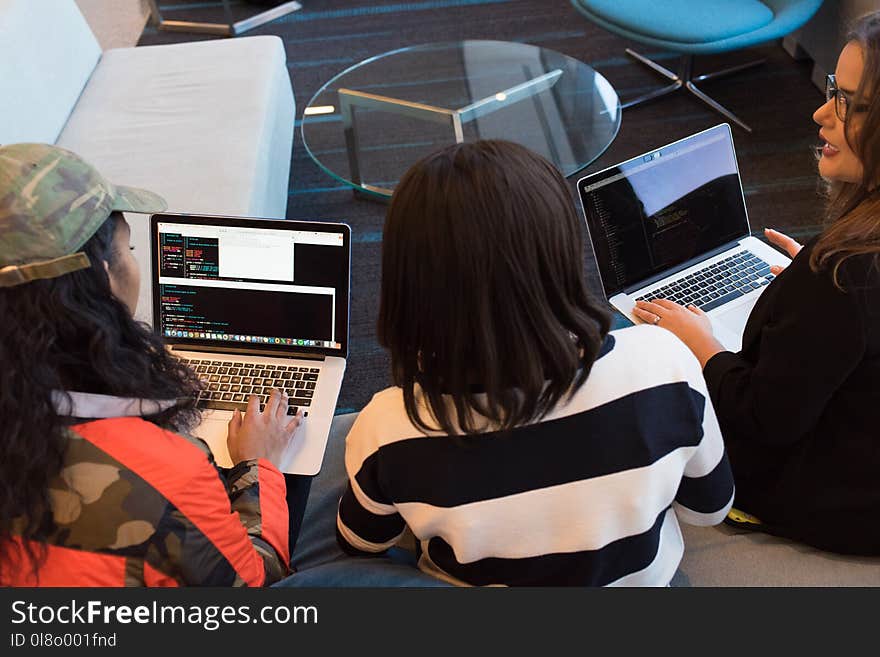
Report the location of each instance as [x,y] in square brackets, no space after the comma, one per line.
[776,161]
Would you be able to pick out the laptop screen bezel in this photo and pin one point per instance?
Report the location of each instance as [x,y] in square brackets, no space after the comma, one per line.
[598,176]
[343,297]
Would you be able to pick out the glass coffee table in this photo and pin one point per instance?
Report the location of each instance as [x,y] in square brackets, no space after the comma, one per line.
[370,123]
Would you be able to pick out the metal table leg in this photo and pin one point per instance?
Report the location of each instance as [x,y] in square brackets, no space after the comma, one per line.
[230,27]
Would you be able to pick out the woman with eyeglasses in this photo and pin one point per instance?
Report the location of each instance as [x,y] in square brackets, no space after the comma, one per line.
[798,404]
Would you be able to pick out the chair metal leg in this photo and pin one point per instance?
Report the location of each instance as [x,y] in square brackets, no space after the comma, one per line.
[662,70]
[657,93]
[685,78]
[716,106]
[728,71]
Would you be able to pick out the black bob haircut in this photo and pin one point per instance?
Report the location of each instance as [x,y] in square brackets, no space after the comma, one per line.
[484,305]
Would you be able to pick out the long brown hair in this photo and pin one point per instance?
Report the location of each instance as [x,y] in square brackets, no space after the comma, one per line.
[853,209]
[484,302]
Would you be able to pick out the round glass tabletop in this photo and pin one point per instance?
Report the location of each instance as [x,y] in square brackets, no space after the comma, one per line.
[371,122]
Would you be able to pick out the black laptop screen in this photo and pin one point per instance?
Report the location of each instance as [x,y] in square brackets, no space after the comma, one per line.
[252,285]
[664,208]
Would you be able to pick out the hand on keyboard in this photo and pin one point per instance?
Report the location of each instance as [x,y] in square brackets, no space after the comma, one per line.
[262,433]
[691,325]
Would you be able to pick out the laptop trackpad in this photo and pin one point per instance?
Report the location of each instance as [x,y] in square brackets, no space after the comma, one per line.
[733,319]
[213,430]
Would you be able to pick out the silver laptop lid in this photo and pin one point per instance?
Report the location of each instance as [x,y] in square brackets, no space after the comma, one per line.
[664,210]
[251,286]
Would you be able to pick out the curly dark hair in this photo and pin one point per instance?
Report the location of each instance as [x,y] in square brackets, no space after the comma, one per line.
[70,334]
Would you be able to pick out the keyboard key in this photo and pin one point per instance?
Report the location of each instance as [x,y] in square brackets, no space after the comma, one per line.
[720,301]
[310,377]
[310,385]
[212,370]
[314,369]
[300,384]
[307,393]
[224,405]
[301,401]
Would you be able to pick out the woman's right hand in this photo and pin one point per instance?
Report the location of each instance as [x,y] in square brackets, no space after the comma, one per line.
[262,434]
[784,242]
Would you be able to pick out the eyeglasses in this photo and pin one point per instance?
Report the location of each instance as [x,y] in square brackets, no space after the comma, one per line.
[843,104]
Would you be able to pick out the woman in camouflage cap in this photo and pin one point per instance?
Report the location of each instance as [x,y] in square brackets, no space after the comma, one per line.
[99,483]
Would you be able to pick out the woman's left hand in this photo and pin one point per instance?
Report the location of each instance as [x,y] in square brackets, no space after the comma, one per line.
[691,325]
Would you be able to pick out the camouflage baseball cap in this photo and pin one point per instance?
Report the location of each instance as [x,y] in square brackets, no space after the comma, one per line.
[51,202]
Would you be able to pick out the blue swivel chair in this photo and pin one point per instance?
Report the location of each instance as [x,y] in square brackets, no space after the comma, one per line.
[697,27]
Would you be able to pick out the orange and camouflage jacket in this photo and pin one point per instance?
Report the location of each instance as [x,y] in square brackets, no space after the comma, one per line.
[135,505]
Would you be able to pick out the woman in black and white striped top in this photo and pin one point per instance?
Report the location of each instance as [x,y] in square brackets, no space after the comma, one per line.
[522,444]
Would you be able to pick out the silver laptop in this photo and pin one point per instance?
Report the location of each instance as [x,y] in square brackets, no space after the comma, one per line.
[672,223]
[255,304]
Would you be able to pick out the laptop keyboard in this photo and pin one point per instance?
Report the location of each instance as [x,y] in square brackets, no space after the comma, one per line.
[230,384]
[716,284]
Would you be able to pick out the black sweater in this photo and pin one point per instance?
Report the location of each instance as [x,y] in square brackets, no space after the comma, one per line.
[799,406]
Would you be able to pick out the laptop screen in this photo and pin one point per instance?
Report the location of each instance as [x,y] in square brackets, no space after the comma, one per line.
[251,284]
[664,208]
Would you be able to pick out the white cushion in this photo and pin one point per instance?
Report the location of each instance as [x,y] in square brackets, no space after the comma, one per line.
[208,125]
[47,53]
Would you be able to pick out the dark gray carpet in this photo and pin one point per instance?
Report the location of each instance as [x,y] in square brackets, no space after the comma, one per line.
[328,36]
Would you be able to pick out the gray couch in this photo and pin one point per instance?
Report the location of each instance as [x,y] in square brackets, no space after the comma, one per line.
[208,125]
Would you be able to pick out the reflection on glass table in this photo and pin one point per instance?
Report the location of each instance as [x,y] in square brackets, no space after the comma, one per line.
[370,123]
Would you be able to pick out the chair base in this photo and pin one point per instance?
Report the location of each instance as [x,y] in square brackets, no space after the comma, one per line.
[230,28]
[685,79]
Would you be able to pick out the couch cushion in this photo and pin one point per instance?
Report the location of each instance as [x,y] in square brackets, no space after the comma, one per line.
[683,21]
[47,53]
[729,556]
[208,125]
